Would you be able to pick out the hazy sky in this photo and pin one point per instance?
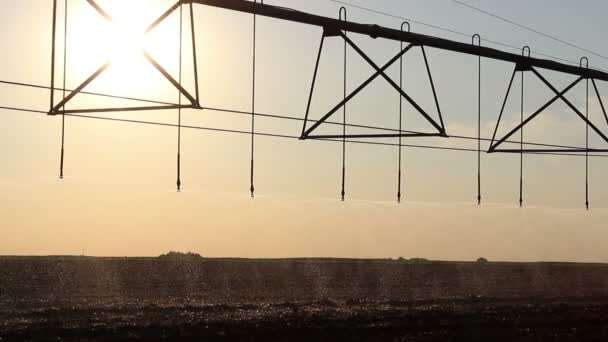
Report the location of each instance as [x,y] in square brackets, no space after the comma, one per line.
[118,197]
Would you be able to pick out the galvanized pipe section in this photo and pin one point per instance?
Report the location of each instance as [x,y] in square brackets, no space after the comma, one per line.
[376,31]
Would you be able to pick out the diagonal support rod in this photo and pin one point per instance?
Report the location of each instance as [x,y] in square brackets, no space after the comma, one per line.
[67,99]
[428,71]
[163,17]
[100,10]
[597,92]
[169,78]
[502,109]
[312,87]
[194,59]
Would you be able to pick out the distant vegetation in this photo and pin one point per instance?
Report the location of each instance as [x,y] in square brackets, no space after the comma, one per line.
[414,260]
[180,255]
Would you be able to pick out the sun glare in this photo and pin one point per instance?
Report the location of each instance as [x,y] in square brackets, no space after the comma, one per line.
[127,37]
[127,43]
[94,40]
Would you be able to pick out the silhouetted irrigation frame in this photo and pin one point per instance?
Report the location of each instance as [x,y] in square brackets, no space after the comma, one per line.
[339,27]
[380,71]
[558,95]
[56,109]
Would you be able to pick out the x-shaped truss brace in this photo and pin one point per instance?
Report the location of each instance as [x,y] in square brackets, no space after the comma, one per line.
[380,71]
[194,100]
[558,95]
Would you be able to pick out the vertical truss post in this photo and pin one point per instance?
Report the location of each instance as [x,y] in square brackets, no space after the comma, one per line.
[586,60]
[342,192]
[521,132]
[478,119]
[403,24]
[179,109]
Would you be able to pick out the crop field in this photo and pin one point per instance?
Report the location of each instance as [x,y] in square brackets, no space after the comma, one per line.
[190,299]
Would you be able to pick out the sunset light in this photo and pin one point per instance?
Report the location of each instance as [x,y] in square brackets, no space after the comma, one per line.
[115,33]
[125,35]
[292,170]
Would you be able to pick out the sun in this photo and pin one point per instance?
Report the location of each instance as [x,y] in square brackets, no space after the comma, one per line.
[127,44]
[114,32]
[126,33]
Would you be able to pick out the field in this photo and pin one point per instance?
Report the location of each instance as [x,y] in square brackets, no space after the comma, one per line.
[101,299]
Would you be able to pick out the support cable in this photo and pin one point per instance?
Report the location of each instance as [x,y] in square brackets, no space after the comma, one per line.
[478,119]
[586,60]
[343,193]
[251,174]
[559,40]
[276,116]
[275,135]
[521,132]
[401,112]
[54,32]
[179,110]
[65,52]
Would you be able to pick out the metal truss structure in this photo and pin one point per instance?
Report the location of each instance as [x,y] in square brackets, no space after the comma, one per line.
[380,71]
[60,107]
[341,28]
[559,95]
[338,28]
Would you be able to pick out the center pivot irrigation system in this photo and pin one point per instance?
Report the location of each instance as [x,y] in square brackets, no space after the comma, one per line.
[339,29]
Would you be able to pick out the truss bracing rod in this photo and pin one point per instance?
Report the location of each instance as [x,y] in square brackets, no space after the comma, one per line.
[312,87]
[599,98]
[194,59]
[502,108]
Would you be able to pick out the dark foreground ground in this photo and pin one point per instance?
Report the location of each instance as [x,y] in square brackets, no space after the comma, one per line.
[106,299]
